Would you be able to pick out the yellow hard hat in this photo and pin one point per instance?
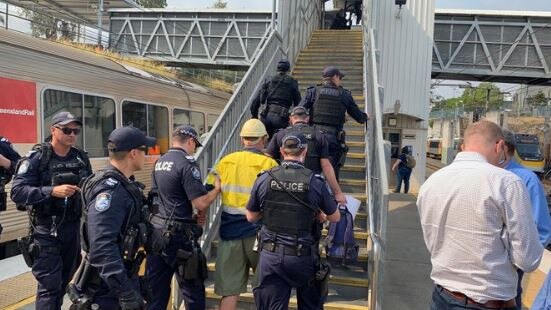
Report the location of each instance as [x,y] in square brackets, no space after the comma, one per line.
[253,128]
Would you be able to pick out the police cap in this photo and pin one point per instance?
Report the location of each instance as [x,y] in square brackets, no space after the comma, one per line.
[64,118]
[294,141]
[128,138]
[299,111]
[188,131]
[332,71]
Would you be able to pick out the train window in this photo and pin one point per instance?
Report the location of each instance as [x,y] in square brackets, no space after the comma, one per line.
[211,119]
[150,118]
[190,118]
[99,121]
[97,115]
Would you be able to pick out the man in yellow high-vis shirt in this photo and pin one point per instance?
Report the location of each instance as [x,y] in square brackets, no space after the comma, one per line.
[235,253]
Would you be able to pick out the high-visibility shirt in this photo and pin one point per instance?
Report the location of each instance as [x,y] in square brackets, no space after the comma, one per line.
[237,172]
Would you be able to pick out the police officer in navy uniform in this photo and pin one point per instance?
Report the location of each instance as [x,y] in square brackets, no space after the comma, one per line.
[290,199]
[114,227]
[328,104]
[46,186]
[8,161]
[317,156]
[276,96]
[178,189]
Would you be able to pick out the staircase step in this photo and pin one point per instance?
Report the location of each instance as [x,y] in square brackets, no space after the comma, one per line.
[249,298]
[352,182]
[356,168]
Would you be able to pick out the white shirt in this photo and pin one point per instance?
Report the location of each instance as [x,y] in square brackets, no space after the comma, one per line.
[477,224]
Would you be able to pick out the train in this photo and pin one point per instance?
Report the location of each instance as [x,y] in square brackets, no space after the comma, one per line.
[528,152]
[434,148]
[39,78]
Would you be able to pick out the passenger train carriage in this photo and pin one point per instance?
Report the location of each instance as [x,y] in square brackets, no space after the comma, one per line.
[39,78]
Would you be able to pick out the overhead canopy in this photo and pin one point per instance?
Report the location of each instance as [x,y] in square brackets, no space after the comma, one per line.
[80,11]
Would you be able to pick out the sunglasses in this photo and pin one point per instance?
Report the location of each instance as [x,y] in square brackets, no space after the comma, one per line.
[68,131]
[142,148]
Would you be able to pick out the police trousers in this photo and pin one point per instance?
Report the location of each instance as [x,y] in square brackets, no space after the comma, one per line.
[159,271]
[335,152]
[57,261]
[278,273]
[107,298]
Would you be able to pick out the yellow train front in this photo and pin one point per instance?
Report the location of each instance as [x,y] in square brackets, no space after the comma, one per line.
[528,152]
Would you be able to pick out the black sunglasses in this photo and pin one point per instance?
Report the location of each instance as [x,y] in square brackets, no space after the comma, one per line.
[68,131]
[142,148]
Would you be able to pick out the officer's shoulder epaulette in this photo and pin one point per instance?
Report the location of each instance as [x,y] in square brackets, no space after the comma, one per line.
[111,182]
[190,158]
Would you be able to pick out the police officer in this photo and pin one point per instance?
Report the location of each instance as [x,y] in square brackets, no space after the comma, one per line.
[317,156]
[328,104]
[289,199]
[8,160]
[177,189]
[276,96]
[113,227]
[46,186]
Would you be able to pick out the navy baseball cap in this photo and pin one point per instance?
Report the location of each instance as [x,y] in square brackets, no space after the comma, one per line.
[299,111]
[128,138]
[331,71]
[64,118]
[188,131]
[294,141]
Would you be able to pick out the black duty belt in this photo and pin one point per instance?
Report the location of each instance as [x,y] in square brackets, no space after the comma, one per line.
[327,129]
[286,249]
[177,225]
[277,109]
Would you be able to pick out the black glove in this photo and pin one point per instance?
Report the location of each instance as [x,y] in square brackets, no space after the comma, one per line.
[131,300]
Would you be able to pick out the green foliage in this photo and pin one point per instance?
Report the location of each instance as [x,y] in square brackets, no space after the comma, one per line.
[42,25]
[219,4]
[474,98]
[152,3]
[538,99]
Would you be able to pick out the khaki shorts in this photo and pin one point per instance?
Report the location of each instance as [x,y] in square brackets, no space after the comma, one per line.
[233,260]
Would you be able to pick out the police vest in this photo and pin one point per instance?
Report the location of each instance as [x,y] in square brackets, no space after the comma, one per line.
[280,90]
[136,222]
[328,109]
[287,206]
[312,160]
[53,172]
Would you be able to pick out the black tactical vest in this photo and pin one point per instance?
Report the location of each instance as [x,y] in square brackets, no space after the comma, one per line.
[328,109]
[57,172]
[312,160]
[286,213]
[280,90]
[136,220]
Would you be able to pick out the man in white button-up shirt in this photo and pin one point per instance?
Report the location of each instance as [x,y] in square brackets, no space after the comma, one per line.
[478,226]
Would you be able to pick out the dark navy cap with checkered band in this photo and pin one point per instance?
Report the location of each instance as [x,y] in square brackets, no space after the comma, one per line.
[188,131]
[128,138]
[294,141]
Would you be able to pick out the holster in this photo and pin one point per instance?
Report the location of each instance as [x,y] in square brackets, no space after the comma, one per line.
[85,286]
[322,278]
[263,110]
[192,265]
[29,249]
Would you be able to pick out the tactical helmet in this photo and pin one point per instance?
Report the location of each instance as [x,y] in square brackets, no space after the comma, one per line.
[283,65]
[253,128]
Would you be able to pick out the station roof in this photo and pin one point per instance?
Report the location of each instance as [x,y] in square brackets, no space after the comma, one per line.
[82,11]
[493,12]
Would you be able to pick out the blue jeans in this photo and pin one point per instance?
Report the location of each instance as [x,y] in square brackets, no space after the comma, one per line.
[403,175]
[442,300]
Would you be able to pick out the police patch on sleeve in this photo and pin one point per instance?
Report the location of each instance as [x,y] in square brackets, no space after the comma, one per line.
[23,167]
[103,201]
[196,173]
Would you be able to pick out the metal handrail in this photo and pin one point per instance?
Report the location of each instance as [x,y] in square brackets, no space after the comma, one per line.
[377,185]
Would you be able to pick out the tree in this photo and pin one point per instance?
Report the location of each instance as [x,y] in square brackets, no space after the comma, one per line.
[219,4]
[538,99]
[152,3]
[476,97]
[42,25]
